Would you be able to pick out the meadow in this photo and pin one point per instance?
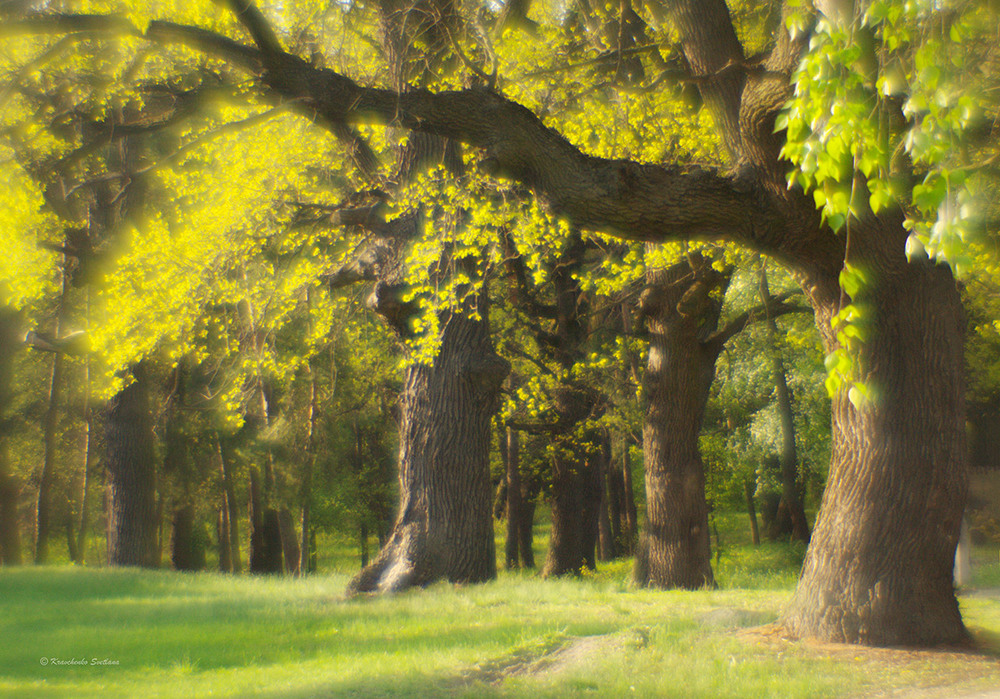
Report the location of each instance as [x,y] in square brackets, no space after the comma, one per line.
[79,632]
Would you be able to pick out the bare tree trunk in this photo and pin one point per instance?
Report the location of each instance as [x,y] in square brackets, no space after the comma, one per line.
[230,506]
[674,549]
[631,533]
[88,464]
[289,541]
[790,494]
[444,527]
[132,516]
[607,542]
[43,508]
[363,540]
[513,497]
[567,554]
[526,533]
[222,531]
[10,535]
[879,567]
[748,491]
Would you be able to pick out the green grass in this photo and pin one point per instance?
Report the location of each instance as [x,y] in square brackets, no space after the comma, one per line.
[174,634]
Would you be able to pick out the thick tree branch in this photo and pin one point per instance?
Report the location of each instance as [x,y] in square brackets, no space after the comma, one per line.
[633,200]
[625,198]
[254,22]
[710,45]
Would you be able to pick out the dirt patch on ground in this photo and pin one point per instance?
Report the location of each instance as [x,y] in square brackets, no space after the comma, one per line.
[553,657]
[902,673]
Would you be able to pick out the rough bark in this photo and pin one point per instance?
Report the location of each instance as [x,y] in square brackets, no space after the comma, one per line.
[674,547]
[132,520]
[885,537]
[10,534]
[566,553]
[443,528]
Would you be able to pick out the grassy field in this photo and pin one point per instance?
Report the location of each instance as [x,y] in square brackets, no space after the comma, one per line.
[166,634]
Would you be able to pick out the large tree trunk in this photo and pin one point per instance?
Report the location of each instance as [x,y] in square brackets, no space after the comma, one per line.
[566,554]
[674,548]
[444,527]
[10,535]
[132,520]
[879,568]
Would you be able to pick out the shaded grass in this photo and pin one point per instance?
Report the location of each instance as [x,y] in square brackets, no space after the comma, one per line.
[204,634]
[174,634]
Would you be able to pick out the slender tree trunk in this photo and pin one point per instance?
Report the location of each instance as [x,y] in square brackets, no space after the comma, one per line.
[43,508]
[232,508]
[526,533]
[790,494]
[363,540]
[289,541]
[512,438]
[878,570]
[590,517]
[10,535]
[306,523]
[132,517]
[748,490]
[606,540]
[222,530]
[71,538]
[88,460]
[444,527]
[616,504]
[631,534]
[306,491]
